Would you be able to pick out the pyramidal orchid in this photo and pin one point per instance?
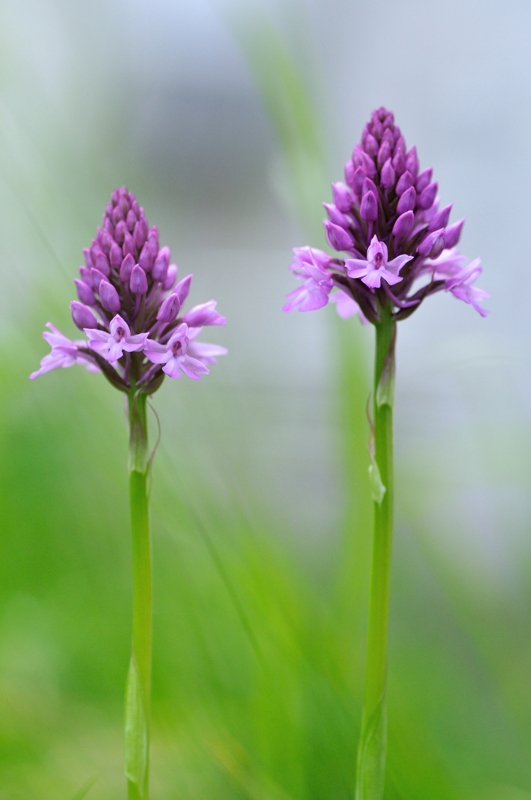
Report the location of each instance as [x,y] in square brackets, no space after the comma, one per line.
[129,309]
[394,247]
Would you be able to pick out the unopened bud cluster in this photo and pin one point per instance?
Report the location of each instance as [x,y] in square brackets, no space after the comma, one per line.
[129,308]
[399,245]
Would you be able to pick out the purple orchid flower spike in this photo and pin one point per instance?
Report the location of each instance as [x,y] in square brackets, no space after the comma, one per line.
[127,297]
[386,219]
[128,307]
[394,248]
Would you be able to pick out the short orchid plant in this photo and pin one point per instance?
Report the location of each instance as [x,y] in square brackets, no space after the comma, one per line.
[397,249]
[130,310]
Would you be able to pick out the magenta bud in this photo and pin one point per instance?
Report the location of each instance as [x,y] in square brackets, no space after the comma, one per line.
[138,281]
[169,308]
[453,233]
[412,162]
[86,275]
[160,267]
[337,237]
[369,207]
[384,153]
[404,183]
[145,259]
[388,137]
[377,129]
[129,244]
[126,268]
[85,293]
[120,231]
[361,159]
[440,219]
[95,248]
[101,263]
[400,144]
[368,165]
[433,245]
[357,181]
[136,208]
[97,278]
[153,241]
[115,255]
[130,221]
[399,162]
[423,179]
[349,173]
[106,240]
[371,145]
[407,201]
[139,234]
[109,297]
[336,216]
[171,277]
[183,287]
[388,175]
[82,316]
[342,197]
[427,196]
[368,186]
[88,259]
[404,225]
[117,215]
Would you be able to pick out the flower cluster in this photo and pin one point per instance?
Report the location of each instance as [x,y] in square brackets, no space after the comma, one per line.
[129,308]
[399,246]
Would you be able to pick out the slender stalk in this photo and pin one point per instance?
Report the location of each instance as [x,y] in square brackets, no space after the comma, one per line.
[138,694]
[373,740]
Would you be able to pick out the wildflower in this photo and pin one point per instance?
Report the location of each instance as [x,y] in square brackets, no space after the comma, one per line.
[128,296]
[460,285]
[398,249]
[64,353]
[398,245]
[376,267]
[174,356]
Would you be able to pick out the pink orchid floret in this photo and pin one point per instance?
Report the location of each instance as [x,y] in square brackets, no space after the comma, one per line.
[449,263]
[376,267]
[64,353]
[112,345]
[460,285]
[310,264]
[347,307]
[175,356]
[204,351]
[204,314]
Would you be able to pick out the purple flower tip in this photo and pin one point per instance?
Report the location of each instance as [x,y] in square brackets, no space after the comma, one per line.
[169,309]
[138,281]
[82,316]
[337,237]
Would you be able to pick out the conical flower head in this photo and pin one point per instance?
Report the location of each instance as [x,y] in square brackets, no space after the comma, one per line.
[386,219]
[129,304]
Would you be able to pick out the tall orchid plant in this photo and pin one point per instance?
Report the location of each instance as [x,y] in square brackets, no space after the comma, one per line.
[129,309]
[397,249]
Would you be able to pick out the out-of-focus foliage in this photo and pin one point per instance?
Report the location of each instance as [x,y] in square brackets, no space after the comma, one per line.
[261,517]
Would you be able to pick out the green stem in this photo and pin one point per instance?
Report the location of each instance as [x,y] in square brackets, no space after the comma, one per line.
[373,740]
[137,716]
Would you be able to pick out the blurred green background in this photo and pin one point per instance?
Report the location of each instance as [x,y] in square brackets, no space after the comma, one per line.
[228,120]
